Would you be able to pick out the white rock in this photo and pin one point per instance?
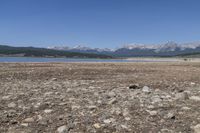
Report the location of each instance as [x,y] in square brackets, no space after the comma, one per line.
[111,94]
[124,126]
[169,115]
[150,107]
[62,129]
[6,97]
[11,105]
[39,117]
[107,121]
[112,101]
[75,107]
[54,79]
[156,99]
[92,107]
[196,128]
[195,98]
[127,118]
[152,113]
[28,120]
[48,110]
[97,125]
[181,96]
[24,124]
[146,89]
[125,112]
[185,108]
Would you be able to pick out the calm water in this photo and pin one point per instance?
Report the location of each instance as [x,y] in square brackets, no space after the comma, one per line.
[33,59]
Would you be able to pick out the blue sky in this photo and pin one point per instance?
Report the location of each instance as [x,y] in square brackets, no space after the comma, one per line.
[98,23]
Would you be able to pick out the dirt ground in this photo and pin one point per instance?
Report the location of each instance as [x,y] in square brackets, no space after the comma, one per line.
[100,97]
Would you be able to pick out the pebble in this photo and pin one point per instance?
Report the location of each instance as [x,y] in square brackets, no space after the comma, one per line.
[48,110]
[156,99]
[24,124]
[182,96]
[185,108]
[195,98]
[166,131]
[150,107]
[196,128]
[127,118]
[112,101]
[170,115]
[124,126]
[6,97]
[62,129]
[97,125]
[75,107]
[28,120]
[152,113]
[146,89]
[54,79]
[12,105]
[92,107]
[111,94]
[107,121]
[61,104]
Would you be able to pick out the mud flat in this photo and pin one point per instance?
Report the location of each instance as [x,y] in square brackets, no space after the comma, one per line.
[100,97]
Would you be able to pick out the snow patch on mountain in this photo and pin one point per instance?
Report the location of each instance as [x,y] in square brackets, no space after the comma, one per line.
[167,47]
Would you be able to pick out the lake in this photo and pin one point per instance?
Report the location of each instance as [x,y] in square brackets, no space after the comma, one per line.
[35,59]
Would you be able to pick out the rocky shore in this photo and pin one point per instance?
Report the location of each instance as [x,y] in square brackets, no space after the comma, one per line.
[100,97]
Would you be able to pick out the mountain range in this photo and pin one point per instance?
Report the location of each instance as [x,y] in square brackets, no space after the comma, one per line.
[44,52]
[139,50]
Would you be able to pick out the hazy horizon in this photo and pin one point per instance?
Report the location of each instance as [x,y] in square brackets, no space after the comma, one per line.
[98,24]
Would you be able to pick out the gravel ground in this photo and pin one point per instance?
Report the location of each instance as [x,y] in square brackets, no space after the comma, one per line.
[100,97]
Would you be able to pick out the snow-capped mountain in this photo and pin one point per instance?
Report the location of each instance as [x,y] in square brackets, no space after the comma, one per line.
[167,49]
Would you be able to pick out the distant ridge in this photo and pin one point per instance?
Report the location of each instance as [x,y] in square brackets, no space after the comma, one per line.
[134,50]
[43,52]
